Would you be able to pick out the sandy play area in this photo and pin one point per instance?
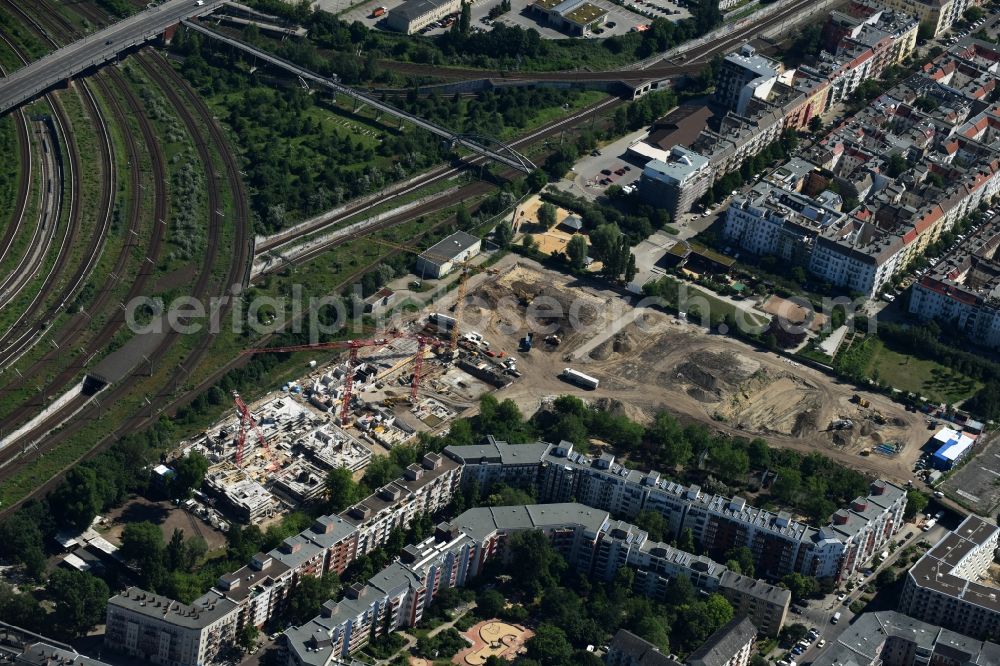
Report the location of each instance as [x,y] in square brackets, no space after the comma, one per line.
[492,637]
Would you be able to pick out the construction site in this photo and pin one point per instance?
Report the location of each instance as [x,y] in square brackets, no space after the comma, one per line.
[647,361]
[530,334]
[273,455]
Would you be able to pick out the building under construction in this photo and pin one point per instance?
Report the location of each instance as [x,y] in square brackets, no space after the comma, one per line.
[275,454]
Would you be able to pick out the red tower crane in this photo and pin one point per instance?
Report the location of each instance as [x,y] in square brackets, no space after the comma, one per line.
[246,421]
[352,346]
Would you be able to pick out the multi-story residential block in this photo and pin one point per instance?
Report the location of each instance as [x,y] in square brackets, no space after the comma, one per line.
[425,487]
[25,648]
[888,638]
[737,138]
[949,585]
[496,461]
[731,645]
[780,545]
[161,631]
[941,126]
[938,14]
[964,289]
[193,634]
[744,75]
[675,184]
[772,221]
[459,551]
[627,649]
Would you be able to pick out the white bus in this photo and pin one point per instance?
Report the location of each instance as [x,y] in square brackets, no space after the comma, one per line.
[580,379]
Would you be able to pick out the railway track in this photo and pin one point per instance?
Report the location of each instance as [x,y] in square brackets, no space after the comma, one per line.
[694,59]
[24,157]
[42,235]
[80,410]
[101,303]
[469,191]
[276,242]
[30,325]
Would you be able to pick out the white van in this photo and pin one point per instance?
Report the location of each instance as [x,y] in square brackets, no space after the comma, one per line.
[836,618]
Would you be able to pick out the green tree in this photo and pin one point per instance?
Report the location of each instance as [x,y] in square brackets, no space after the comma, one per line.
[21,608]
[175,552]
[973,14]
[786,486]
[538,564]
[916,502]
[686,542]
[248,636]
[80,600]
[21,540]
[463,219]
[341,489]
[142,548]
[537,179]
[654,523]
[793,633]
[652,629]
[189,474]
[815,124]
[925,31]
[743,558]
[759,454]
[550,646]
[667,436]
[490,603]
[504,234]
[800,586]
[547,215]
[77,500]
[576,251]
[465,19]
[309,595]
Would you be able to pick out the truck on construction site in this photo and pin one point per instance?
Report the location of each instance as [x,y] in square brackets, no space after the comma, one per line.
[862,402]
[526,342]
[379,11]
[580,379]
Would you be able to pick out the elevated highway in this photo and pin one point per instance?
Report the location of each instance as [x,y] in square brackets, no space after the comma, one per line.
[96,49]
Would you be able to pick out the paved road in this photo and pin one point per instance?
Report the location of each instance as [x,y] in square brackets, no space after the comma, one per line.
[819,613]
[96,49]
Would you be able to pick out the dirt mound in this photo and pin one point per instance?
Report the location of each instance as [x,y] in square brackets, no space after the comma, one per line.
[603,351]
[698,376]
[610,405]
[702,395]
[805,422]
[783,404]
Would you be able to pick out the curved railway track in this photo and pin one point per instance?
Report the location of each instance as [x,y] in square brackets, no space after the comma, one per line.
[24,157]
[77,412]
[26,331]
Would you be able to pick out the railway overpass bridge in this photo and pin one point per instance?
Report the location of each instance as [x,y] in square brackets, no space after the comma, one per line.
[96,49]
[499,152]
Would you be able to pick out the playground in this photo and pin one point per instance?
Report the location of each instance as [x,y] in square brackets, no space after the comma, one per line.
[492,638]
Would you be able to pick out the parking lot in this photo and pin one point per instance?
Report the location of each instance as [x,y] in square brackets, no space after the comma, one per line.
[620,20]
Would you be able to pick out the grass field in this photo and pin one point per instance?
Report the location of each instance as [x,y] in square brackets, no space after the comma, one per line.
[927,378]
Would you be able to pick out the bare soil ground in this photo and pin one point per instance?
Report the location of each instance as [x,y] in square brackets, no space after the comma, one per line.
[166,516]
[647,362]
